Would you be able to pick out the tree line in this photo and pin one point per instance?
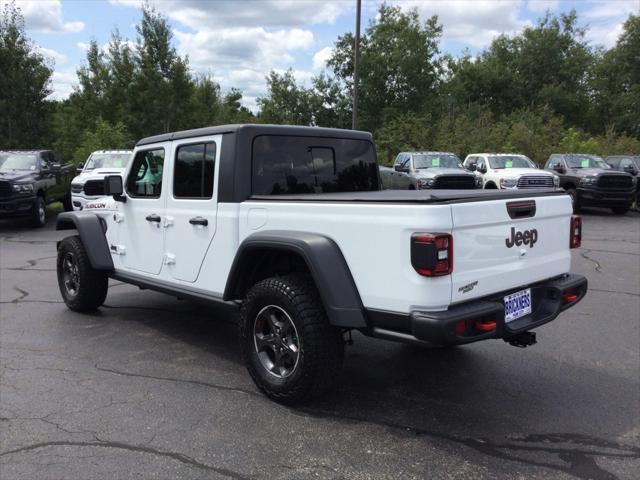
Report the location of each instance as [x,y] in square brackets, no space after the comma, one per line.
[542,90]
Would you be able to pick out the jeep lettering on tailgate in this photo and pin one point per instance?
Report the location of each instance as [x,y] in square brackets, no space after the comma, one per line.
[528,237]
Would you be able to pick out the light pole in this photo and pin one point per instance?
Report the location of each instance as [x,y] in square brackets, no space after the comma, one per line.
[356,61]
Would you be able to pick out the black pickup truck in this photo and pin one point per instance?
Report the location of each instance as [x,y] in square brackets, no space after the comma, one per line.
[29,180]
[591,182]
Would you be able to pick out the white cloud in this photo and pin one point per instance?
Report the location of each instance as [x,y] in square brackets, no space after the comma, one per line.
[46,17]
[62,83]
[57,57]
[611,9]
[605,20]
[472,22]
[320,58]
[541,6]
[198,14]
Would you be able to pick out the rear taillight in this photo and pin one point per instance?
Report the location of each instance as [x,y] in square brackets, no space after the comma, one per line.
[575,237]
[432,254]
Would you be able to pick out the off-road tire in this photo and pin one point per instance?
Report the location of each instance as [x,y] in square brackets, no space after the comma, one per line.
[90,285]
[321,346]
[619,210]
[39,215]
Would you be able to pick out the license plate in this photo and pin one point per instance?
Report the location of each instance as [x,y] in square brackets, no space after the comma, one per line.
[517,305]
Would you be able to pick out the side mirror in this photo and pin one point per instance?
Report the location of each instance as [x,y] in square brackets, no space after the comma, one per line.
[113,187]
[80,167]
[631,169]
[559,169]
[471,167]
[482,169]
[398,168]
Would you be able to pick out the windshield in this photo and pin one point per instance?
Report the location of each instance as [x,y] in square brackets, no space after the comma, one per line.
[586,161]
[107,160]
[17,161]
[446,160]
[510,161]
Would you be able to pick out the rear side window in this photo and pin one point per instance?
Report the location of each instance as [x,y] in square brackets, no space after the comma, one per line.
[145,177]
[291,165]
[194,171]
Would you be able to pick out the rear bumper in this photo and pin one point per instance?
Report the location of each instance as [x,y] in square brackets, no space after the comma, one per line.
[17,207]
[605,198]
[440,327]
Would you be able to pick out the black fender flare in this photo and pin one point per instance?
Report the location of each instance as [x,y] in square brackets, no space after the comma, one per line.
[324,260]
[91,229]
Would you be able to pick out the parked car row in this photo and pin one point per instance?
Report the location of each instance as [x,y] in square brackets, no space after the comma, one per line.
[590,180]
[32,179]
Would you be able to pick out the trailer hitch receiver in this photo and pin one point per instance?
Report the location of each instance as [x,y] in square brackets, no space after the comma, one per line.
[522,340]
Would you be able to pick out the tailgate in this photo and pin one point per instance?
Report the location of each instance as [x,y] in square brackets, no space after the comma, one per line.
[486,260]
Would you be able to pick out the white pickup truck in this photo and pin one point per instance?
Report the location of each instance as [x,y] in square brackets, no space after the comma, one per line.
[509,171]
[289,225]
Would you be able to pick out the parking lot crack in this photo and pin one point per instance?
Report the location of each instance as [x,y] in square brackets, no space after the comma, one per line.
[184,459]
[581,460]
[584,255]
[179,380]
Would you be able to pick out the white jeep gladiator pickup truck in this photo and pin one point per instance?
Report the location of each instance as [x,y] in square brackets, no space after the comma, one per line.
[289,225]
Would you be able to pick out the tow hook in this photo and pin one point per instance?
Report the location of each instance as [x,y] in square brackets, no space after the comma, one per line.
[522,340]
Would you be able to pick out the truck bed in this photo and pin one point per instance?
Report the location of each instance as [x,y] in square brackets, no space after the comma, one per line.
[413,196]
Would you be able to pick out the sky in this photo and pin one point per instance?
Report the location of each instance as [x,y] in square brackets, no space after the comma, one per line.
[239,41]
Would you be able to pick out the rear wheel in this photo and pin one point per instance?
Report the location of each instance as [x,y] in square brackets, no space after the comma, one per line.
[289,348]
[619,210]
[39,215]
[82,287]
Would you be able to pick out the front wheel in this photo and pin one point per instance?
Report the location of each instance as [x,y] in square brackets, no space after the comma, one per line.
[290,350]
[82,287]
[67,204]
[619,210]
[39,215]
[573,193]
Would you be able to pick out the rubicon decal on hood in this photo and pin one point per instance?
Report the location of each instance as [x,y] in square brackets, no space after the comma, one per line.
[528,237]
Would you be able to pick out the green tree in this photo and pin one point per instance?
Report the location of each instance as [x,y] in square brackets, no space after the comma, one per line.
[549,64]
[399,65]
[285,103]
[162,87]
[24,85]
[617,81]
[105,136]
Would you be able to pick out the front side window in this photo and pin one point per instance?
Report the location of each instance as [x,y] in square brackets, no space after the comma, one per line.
[194,171]
[107,160]
[436,161]
[290,165]
[145,177]
[17,161]
[586,161]
[510,161]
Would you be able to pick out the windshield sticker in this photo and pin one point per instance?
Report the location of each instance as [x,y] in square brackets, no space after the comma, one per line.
[435,162]
[508,164]
[584,163]
[117,163]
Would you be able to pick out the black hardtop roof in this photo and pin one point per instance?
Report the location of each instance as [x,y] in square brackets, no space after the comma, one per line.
[253,130]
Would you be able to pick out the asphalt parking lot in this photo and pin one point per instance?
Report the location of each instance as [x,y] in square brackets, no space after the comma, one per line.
[154,387]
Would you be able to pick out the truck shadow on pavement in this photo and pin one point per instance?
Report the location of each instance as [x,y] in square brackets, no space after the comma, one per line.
[461,395]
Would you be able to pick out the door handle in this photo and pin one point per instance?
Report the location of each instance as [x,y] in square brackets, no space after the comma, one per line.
[199,221]
[153,218]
